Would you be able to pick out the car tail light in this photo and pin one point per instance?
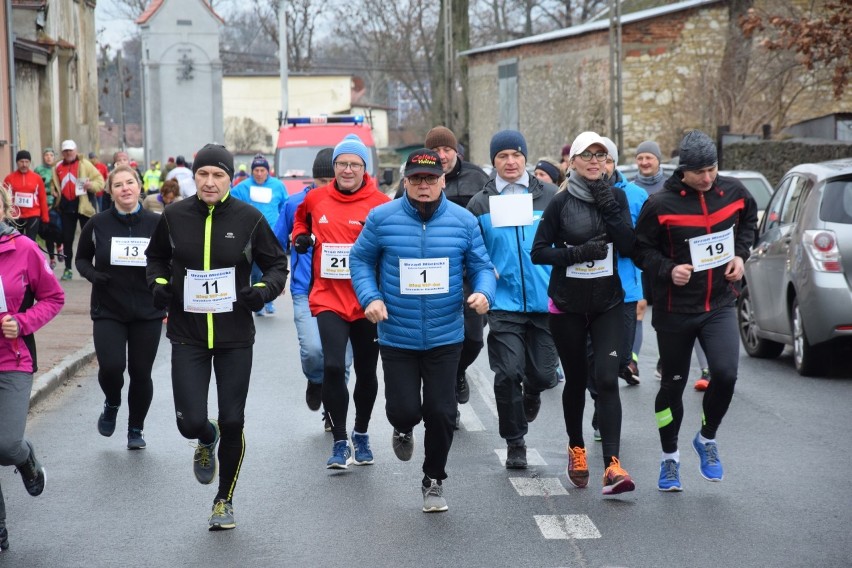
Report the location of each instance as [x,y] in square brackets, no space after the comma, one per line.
[822,250]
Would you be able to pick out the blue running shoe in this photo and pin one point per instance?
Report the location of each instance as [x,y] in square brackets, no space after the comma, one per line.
[363,453]
[270,308]
[669,476]
[711,465]
[341,455]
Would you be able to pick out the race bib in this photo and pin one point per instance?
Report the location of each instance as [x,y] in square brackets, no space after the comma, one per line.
[260,194]
[210,291]
[128,251]
[593,268]
[424,276]
[81,186]
[710,251]
[511,210]
[3,308]
[24,199]
[334,263]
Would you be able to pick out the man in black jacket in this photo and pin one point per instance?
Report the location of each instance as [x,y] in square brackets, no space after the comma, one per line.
[693,237]
[199,261]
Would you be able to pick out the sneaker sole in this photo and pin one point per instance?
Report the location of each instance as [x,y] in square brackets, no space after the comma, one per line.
[516,465]
[356,462]
[436,509]
[673,489]
[577,484]
[339,466]
[622,486]
[713,479]
[225,527]
[136,447]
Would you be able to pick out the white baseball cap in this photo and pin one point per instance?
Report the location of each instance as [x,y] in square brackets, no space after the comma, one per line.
[585,139]
[68,145]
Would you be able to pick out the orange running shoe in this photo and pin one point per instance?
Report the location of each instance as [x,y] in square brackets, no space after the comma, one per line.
[704,381]
[578,469]
[616,480]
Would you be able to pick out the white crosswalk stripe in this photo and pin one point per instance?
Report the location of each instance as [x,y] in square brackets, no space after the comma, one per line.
[469,420]
[566,527]
[533,457]
[484,387]
[538,486]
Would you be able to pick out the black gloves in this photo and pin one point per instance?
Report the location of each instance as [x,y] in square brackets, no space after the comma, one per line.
[602,194]
[594,249]
[162,295]
[302,243]
[252,297]
[101,278]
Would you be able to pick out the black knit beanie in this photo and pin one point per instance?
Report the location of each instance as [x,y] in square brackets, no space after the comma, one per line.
[23,155]
[214,155]
[323,168]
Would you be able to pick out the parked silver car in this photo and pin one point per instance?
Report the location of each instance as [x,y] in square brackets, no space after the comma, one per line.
[798,287]
[756,184]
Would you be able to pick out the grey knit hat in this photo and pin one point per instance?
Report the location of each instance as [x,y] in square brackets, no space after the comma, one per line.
[649,147]
[697,151]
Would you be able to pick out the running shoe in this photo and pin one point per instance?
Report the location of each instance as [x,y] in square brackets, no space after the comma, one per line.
[532,404]
[578,469]
[135,439]
[634,368]
[106,421]
[560,374]
[270,308]
[433,498]
[710,466]
[32,473]
[52,264]
[616,480]
[313,396]
[669,476]
[259,313]
[222,517]
[341,455]
[403,444]
[67,275]
[363,453]
[326,418]
[4,539]
[628,376]
[704,381]
[597,435]
[462,389]
[516,456]
[204,463]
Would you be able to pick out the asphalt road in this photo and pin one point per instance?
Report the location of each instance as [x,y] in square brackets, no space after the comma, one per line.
[785,499]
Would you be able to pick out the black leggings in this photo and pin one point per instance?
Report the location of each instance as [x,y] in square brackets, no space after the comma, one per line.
[569,332]
[69,228]
[335,332]
[191,366]
[719,337]
[132,345]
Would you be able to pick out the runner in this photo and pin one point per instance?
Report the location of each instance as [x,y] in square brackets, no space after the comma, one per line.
[693,237]
[335,214]
[126,328]
[199,261]
[421,327]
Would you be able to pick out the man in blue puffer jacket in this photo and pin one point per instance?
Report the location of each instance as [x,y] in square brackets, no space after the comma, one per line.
[407,267]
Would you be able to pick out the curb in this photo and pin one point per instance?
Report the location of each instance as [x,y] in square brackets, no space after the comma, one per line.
[45,384]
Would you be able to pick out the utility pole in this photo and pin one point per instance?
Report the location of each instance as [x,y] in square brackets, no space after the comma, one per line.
[615,59]
[449,61]
[282,61]
[122,140]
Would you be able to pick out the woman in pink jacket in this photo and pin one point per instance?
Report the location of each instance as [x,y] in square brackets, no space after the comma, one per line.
[30,297]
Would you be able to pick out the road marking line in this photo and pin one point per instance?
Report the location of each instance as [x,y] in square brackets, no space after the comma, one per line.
[469,420]
[538,486]
[533,457]
[484,388]
[566,527]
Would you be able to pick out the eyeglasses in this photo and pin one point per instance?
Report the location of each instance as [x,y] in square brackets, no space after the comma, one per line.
[354,166]
[417,180]
[587,156]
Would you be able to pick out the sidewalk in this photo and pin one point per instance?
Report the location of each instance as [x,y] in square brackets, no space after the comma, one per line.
[64,345]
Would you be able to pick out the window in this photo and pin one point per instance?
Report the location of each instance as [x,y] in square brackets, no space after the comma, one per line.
[794,197]
[836,206]
[507,74]
[772,215]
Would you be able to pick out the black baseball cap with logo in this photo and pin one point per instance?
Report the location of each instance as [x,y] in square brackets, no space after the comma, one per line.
[423,162]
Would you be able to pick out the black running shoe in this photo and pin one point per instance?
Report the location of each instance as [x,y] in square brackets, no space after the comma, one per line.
[313,396]
[135,439]
[106,421]
[532,404]
[32,473]
[462,390]
[4,539]
[516,457]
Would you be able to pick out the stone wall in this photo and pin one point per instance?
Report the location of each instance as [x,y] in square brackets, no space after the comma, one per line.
[670,83]
[774,158]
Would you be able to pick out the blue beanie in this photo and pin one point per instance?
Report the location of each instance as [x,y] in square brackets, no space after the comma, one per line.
[259,162]
[508,140]
[351,145]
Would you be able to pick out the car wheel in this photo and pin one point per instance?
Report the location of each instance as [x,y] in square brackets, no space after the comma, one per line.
[754,345]
[810,360]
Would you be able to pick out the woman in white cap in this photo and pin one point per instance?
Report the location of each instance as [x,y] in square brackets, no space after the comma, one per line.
[578,233]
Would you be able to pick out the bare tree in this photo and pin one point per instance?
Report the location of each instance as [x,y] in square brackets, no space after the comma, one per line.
[302,19]
[734,66]
[132,9]
[246,135]
[496,21]
[820,41]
